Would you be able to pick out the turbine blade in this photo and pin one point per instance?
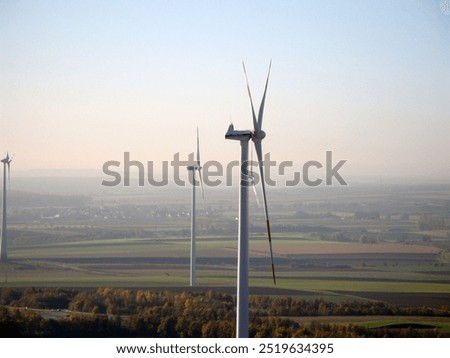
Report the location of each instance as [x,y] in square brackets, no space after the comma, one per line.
[200,169]
[198,149]
[201,187]
[8,161]
[258,149]
[255,123]
[263,101]
[252,179]
[256,193]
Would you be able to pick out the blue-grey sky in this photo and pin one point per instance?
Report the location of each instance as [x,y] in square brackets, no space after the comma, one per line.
[83,81]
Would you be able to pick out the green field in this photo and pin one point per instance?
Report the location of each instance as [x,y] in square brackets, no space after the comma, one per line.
[140,262]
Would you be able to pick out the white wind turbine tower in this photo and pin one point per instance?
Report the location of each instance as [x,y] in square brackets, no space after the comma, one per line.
[193,169]
[3,254]
[244,136]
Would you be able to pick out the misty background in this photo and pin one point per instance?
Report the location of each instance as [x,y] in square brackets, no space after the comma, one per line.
[82,82]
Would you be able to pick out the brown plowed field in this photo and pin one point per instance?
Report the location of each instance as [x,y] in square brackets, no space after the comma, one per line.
[352,248]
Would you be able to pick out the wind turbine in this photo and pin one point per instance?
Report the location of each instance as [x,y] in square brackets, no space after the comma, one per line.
[193,169]
[244,136]
[3,254]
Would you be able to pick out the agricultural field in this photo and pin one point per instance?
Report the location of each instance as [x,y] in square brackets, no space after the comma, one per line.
[387,244]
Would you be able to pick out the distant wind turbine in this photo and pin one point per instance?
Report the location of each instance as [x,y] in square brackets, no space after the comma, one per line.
[193,169]
[6,166]
[244,136]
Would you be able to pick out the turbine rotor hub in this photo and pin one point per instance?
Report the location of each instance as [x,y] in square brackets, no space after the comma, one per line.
[259,135]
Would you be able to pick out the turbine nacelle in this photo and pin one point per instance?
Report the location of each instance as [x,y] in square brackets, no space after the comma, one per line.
[238,135]
[194,167]
[6,160]
[197,165]
[244,134]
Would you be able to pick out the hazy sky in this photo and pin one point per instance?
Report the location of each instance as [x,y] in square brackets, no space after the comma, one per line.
[81,82]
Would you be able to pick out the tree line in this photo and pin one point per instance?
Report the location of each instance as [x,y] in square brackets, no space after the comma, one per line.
[108,312]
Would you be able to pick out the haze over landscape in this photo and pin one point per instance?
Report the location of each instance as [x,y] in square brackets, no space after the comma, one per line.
[83,82]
